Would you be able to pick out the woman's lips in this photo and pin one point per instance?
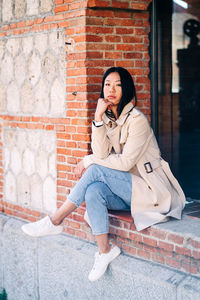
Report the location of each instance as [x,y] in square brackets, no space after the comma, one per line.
[111,97]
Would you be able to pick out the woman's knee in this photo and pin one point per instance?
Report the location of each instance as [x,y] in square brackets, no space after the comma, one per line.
[95,192]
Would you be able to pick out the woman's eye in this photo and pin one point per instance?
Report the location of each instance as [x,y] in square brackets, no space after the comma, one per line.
[107,84]
[119,84]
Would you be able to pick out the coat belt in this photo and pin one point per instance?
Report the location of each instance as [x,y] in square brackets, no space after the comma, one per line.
[152,165]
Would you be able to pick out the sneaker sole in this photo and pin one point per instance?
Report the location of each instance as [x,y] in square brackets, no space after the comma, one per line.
[26,231]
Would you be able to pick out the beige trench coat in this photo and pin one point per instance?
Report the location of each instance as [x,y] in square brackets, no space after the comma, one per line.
[130,145]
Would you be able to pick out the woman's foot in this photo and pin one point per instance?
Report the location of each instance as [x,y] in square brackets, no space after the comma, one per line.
[42,227]
[101,263]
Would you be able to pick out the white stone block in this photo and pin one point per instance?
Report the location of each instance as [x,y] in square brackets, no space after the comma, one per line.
[2,98]
[57,98]
[13,45]
[49,195]
[9,138]
[2,49]
[56,40]
[32,7]
[41,41]
[46,6]
[34,67]
[27,44]
[52,165]
[6,69]
[48,142]
[62,67]
[20,69]
[15,163]
[42,163]
[26,98]
[10,187]
[49,66]
[28,162]
[6,10]
[23,189]
[6,159]
[21,140]
[41,106]
[34,139]
[19,9]
[36,192]
[13,103]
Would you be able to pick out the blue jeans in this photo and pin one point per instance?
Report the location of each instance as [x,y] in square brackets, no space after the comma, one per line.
[102,189]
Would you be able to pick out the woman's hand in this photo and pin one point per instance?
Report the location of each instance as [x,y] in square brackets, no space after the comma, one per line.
[102,105]
[79,170]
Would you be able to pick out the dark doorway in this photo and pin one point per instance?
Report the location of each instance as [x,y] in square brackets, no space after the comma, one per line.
[178,89]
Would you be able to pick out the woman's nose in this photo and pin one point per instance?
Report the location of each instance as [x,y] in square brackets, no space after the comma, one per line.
[112,87]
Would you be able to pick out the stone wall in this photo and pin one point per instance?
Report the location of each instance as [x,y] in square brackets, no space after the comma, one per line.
[32,74]
[14,10]
[29,164]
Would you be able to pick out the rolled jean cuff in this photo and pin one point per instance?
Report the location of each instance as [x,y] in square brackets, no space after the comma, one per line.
[74,202]
[99,233]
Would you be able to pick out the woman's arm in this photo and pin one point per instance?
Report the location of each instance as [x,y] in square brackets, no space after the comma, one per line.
[100,143]
[138,133]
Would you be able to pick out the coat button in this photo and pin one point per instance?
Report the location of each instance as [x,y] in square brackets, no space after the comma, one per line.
[110,124]
[156,204]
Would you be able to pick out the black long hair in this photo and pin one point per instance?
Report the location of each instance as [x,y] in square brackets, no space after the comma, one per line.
[128,87]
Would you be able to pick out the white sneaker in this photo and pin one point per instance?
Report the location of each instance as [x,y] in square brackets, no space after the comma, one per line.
[42,228]
[101,263]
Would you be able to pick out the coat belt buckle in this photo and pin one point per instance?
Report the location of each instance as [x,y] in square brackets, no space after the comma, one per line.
[148,167]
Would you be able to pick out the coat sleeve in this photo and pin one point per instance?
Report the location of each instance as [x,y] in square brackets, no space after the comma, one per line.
[138,132]
[100,138]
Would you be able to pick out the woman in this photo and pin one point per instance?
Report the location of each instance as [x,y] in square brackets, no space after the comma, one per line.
[125,172]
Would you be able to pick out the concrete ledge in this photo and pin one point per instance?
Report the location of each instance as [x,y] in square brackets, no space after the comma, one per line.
[56,268]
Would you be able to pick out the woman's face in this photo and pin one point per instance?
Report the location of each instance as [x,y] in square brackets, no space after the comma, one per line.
[112,88]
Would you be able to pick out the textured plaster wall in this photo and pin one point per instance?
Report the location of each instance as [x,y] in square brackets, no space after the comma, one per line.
[32,74]
[13,10]
[29,163]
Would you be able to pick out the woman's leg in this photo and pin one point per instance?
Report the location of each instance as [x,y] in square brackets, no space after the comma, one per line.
[120,183]
[66,209]
[99,198]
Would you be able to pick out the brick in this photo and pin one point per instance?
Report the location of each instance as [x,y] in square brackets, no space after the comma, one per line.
[139,6]
[62,8]
[69,230]
[158,258]
[122,47]
[195,244]
[135,237]
[158,233]
[58,2]
[143,254]
[80,234]
[183,251]
[74,224]
[190,268]
[150,242]
[129,250]
[166,246]
[173,263]
[175,238]
[196,254]
[98,3]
